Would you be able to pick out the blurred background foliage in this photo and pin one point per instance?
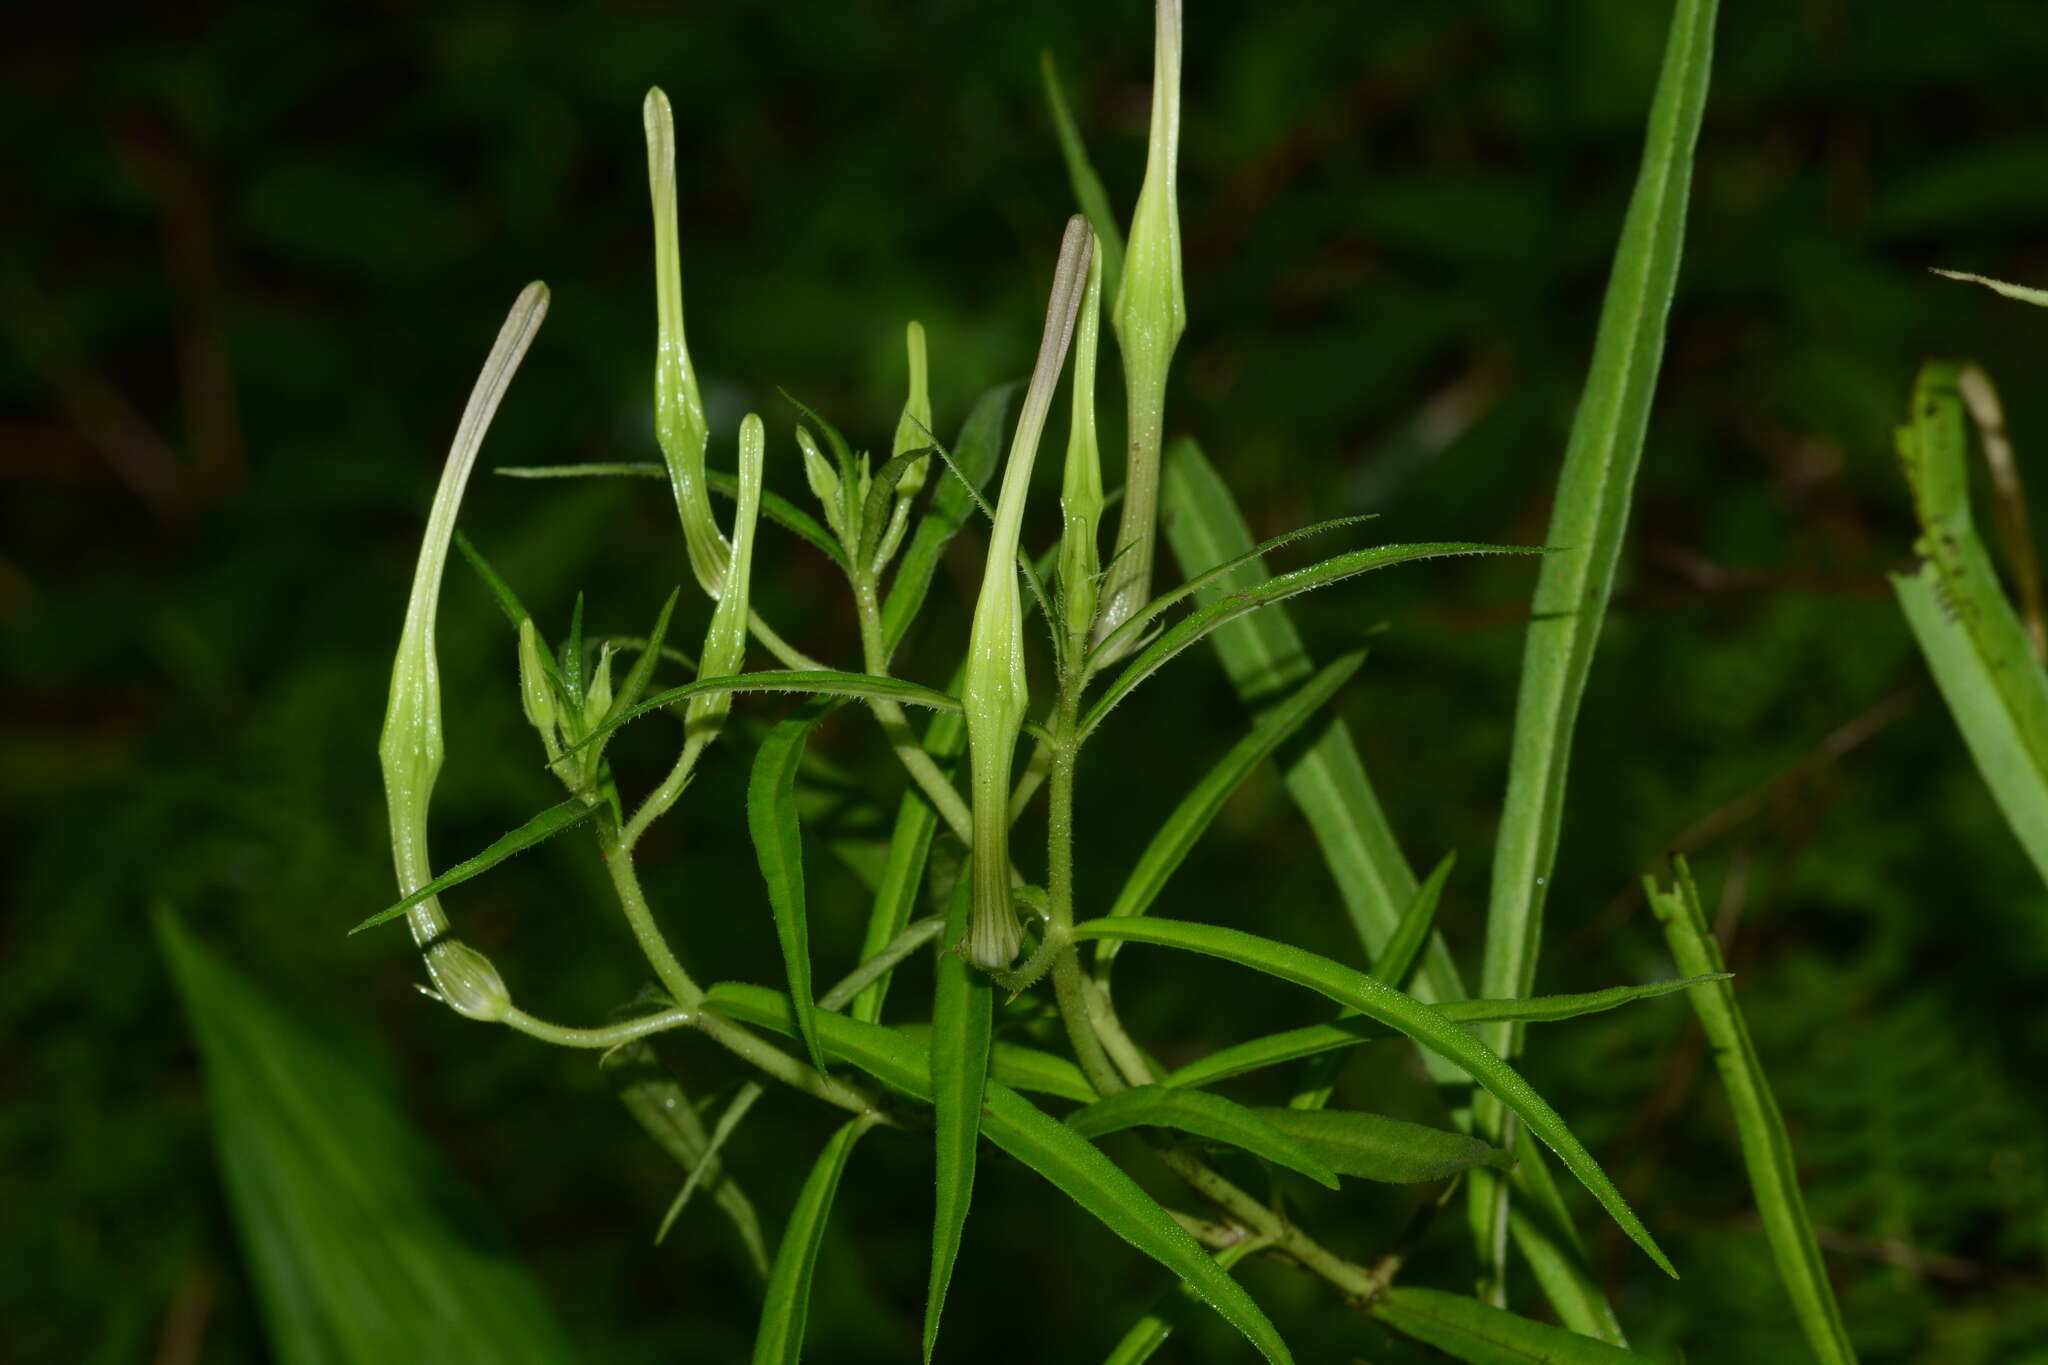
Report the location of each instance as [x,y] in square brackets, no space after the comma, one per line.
[254,253]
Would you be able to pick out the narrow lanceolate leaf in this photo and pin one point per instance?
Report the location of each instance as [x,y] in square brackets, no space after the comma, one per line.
[642,672]
[1376,1147]
[540,828]
[962,1029]
[1192,628]
[707,1164]
[1295,1044]
[1466,1329]
[410,748]
[1969,633]
[501,591]
[1404,1013]
[1319,1079]
[1766,1145]
[1543,1232]
[1018,1127]
[1042,1073]
[1198,809]
[910,846]
[1264,656]
[1588,520]
[2024,293]
[679,425]
[1086,184]
[974,456]
[774,506]
[364,1247]
[1150,1332]
[1205,1116]
[779,847]
[659,1105]
[817,682]
[780,1340]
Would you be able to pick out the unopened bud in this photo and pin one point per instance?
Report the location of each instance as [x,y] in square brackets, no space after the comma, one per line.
[467,982]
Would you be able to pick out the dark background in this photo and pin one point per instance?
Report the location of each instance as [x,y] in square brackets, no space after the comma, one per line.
[253,255]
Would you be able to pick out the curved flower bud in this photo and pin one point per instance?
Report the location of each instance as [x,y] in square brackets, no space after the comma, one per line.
[725,643]
[679,424]
[410,747]
[995,692]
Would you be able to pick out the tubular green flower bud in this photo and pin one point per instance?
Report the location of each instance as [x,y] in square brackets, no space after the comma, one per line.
[679,424]
[1081,488]
[996,693]
[597,701]
[1151,313]
[725,643]
[536,694]
[410,748]
[467,982]
[913,428]
[823,479]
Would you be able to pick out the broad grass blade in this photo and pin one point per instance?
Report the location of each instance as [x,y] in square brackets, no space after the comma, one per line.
[778,846]
[364,1245]
[963,1014]
[1466,1329]
[780,1340]
[1206,1116]
[1588,520]
[1404,1013]
[1035,1138]
[1766,1146]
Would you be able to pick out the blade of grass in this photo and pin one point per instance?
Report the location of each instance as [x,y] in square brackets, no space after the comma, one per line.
[1402,1012]
[1087,185]
[1191,629]
[1469,1330]
[1205,1116]
[962,1030]
[363,1245]
[707,1164]
[1542,1229]
[1588,520]
[1295,1044]
[1064,1158]
[778,846]
[1973,641]
[1376,1147]
[780,1340]
[1264,656]
[539,829]
[1766,1146]
[1319,1078]
[658,1104]
[1199,808]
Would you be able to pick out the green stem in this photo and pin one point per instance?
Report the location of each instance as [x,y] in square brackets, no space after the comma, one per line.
[923,770]
[611,1036]
[663,797]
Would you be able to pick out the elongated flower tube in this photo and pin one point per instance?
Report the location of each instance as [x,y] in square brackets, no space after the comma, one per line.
[410,748]
[725,643]
[995,693]
[679,425]
[1151,313]
[1081,485]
